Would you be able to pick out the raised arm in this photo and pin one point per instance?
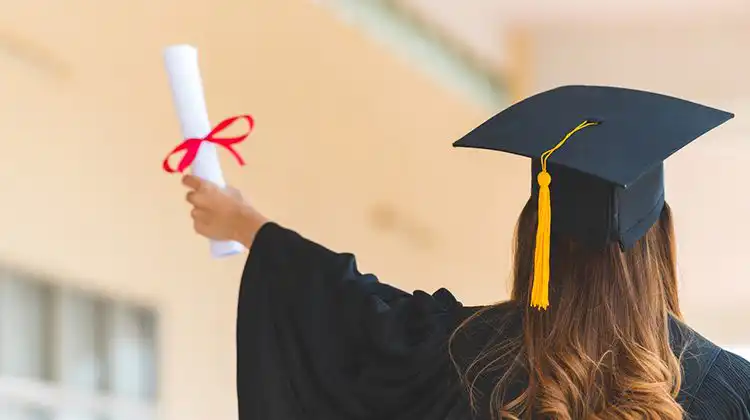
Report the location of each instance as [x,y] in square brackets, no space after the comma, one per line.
[318,339]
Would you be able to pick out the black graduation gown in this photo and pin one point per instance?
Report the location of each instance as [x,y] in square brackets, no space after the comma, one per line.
[316,339]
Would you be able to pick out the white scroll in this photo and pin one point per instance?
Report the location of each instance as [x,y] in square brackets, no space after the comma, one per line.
[187,92]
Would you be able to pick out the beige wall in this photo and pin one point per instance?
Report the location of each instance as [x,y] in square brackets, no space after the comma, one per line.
[342,127]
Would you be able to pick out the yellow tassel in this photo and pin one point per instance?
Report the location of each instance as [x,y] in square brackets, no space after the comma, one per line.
[540,285]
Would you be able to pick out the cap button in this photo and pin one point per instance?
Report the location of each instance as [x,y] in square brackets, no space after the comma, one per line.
[544,179]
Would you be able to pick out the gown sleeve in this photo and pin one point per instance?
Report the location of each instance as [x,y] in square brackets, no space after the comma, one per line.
[316,339]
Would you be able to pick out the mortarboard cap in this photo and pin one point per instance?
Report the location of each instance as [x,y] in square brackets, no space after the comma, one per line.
[597,160]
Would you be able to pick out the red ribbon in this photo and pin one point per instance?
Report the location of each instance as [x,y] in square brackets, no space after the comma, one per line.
[191,146]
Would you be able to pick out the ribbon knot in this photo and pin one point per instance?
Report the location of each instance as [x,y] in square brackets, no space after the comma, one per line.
[192,145]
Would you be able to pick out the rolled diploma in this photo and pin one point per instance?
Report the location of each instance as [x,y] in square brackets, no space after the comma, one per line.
[187,92]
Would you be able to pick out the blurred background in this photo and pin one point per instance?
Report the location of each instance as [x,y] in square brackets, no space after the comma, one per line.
[111,307]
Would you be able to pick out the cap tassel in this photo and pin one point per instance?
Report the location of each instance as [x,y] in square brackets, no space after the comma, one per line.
[540,285]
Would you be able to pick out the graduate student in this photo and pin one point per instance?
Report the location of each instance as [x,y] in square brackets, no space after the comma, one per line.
[593,329]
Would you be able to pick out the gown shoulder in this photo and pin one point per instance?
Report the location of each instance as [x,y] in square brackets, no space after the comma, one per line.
[716,382]
[725,391]
[317,339]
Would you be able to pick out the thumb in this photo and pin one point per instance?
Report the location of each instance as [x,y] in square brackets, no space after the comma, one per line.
[193,182]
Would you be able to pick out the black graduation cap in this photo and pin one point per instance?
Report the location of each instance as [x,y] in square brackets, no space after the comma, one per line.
[603,149]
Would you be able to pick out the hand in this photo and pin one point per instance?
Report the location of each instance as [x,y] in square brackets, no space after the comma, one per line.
[221,214]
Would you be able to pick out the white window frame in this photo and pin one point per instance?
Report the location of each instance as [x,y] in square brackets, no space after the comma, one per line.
[55,398]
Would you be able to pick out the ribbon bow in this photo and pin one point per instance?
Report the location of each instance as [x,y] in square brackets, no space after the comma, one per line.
[192,145]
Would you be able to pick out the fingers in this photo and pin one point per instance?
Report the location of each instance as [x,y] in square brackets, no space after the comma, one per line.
[199,215]
[195,183]
[201,228]
[200,197]
[201,222]
[192,182]
[200,219]
[194,198]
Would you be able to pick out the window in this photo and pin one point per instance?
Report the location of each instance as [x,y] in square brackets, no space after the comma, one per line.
[71,355]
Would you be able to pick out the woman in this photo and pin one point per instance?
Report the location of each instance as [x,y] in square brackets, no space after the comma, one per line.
[593,329]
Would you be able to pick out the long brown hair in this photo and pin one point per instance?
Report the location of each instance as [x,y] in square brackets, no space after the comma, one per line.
[602,350]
